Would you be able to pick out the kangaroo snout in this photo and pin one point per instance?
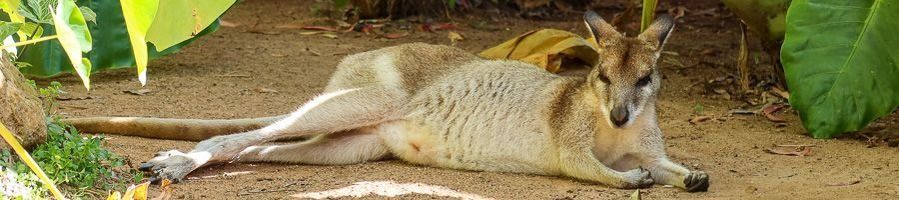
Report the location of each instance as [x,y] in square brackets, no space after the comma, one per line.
[619,116]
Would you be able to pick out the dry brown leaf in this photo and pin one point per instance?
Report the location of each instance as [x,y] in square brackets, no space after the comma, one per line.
[140,92]
[545,48]
[797,151]
[770,112]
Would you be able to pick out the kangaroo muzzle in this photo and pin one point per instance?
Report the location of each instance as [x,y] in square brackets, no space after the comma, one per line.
[620,116]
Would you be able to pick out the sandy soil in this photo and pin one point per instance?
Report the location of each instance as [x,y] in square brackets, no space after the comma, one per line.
[232,73]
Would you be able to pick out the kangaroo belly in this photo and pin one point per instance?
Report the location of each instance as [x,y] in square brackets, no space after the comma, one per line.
[417,141]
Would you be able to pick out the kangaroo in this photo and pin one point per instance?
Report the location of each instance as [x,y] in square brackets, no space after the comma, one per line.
[443,107]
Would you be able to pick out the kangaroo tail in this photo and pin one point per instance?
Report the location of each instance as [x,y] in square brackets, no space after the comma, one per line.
[170,129]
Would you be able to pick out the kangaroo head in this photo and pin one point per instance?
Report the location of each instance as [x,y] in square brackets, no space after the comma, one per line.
[626,80]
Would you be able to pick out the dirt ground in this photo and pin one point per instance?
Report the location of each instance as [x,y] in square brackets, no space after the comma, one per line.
[255,70]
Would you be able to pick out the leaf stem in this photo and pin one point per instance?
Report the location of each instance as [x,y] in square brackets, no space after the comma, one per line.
[27,42]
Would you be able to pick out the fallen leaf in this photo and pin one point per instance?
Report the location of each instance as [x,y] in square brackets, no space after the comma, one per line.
[797,151]
[428,27]
[699,119]
[543,47]
[847,183]
[395,35]
[635,195]
[228,24]
[165,190]
[454,37]
[771,110]
[781,92]
[140,92]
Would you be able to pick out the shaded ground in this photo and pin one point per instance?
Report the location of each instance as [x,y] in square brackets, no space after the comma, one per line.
[233,73]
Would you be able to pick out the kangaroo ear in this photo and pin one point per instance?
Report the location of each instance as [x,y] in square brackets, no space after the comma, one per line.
[659,31]
[598,27]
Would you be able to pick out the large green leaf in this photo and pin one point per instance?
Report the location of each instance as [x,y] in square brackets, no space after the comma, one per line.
[179,20]
[840,59]
[73,35]
[111,48]
[139,16]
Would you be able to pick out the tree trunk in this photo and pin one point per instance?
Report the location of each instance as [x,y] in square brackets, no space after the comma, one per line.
[20,109]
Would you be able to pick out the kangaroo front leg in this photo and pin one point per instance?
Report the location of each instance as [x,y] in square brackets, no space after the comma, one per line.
[328,113]
[581,164]
[669,173]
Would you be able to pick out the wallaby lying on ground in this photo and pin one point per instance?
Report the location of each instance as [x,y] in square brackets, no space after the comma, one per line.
[444,107]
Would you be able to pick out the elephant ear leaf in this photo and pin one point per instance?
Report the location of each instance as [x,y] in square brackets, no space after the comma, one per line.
[840,60]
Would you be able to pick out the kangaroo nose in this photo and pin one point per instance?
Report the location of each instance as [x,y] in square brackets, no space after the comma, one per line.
[619,116]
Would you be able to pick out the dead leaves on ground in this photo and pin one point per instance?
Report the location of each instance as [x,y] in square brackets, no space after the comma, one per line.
[140,192]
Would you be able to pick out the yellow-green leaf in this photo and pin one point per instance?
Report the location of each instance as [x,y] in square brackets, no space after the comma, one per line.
[139,16]
[73,36]
[179,20]
[545,48]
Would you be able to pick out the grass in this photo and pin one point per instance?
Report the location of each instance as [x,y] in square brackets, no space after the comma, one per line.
[79,164]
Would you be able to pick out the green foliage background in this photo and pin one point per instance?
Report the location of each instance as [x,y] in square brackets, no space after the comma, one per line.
[111,47]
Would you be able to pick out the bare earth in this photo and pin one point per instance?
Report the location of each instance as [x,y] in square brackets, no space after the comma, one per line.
[256,70]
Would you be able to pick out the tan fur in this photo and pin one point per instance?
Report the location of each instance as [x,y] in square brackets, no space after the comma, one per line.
[441,106]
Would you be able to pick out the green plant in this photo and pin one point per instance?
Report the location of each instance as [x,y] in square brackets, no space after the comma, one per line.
[80,164]
[837,56]
[649,13]
[841,63]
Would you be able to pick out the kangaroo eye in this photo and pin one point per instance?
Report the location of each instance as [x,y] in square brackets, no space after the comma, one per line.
[644,81]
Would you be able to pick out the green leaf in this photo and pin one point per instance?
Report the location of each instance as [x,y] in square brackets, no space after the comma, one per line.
[179,20]
[111,46]
[649,13]
[89,15]
[840,59]
[139,16]
[8,28]
[38,10]
[73,36]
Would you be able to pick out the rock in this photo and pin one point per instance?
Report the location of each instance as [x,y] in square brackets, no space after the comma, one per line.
[20,108]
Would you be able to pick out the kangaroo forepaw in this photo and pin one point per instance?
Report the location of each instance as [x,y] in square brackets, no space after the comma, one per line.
[697,181]
[637,178]
[172,165]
